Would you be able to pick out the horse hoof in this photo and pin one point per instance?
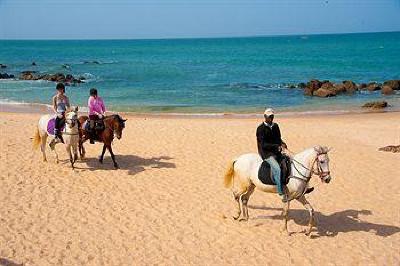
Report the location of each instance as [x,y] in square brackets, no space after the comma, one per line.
[243,219]
[235,217]
[116,166]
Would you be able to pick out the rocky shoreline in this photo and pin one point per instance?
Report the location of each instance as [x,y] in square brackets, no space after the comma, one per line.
[67,79]
[327,88]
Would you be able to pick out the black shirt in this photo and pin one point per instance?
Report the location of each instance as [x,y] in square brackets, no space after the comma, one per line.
[269,140]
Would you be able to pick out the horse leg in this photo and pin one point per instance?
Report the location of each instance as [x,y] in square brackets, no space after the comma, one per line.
[112,156]
[236,196]
[310,209]
[43,140]
[75,149]
[102,154]
[81,150]
[285,214]
[71,159]
[55,152]
[245,198]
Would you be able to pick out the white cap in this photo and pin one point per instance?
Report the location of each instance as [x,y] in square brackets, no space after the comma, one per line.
[269,111]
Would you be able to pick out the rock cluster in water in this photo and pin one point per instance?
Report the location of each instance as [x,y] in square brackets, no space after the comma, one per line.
[329,89]
[6,76]
[58,77]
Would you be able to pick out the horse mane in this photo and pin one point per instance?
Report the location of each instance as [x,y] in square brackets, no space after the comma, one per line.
[321,149]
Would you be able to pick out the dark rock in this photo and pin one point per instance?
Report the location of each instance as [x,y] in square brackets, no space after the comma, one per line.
[69,78]
[362,86]
[394,84]
[3,66]
[339,88]
[350,86]
[391,148]
[373,86]
[28,75]
[387,90]
[376,105]
[33,64]
[321,92]
[6,76]
[28,72]
[66,66]
[292,86]
[301,85]
[312,86]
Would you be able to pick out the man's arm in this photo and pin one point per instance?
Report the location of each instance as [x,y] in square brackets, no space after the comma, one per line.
[67,102]
[55,104]
[282,143]
[260,139]
[263,145]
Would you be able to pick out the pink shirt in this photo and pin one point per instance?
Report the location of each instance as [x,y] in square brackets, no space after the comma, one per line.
[96,105]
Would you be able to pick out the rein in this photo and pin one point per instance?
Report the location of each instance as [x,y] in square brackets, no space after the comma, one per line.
[320,172]
[76,125]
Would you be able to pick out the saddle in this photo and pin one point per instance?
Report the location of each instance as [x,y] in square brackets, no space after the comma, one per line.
[51,124]
[98,125]
[265,174]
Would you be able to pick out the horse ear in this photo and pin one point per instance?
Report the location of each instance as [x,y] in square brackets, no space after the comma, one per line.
[124,120]
[76,108]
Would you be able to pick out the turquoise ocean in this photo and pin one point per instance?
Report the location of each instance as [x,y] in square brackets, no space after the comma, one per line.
[239,75]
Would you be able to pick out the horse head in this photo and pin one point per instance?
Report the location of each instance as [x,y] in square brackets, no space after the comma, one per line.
[321,163]
[118,124]
[71,117]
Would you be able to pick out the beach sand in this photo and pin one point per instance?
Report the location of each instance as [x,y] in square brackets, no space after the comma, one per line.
[167,204]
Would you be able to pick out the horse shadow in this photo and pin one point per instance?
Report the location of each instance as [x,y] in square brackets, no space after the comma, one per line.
[134,164]
[339,222]
[7,262]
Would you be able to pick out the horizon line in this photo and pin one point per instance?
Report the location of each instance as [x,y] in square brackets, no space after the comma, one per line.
[203,37]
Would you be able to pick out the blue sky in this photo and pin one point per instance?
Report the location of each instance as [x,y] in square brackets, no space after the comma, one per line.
[115,19]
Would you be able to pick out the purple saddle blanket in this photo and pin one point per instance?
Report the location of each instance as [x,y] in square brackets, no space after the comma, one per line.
[51,125]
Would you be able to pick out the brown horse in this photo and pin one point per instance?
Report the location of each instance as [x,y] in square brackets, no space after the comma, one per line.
[113,126]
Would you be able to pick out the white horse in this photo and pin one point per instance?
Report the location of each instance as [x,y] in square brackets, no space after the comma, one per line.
[303,166]
[70,135]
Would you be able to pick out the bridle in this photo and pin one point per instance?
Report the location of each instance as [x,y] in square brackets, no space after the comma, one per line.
[72,122]
[111,128]
[320,172]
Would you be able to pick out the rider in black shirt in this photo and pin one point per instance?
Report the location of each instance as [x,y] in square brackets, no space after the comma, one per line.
[269,143]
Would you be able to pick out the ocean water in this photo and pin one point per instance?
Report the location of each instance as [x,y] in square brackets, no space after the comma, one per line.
[240,75]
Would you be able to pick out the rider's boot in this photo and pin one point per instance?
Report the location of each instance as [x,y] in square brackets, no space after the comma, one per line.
[92,131]
[285,197]
[56,139]
[309,190]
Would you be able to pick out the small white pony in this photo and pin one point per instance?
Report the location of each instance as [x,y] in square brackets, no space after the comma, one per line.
[70,135]
[245,170]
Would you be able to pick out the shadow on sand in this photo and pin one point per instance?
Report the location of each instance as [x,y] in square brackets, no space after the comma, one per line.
[338,222]
[134,164]
[7,262]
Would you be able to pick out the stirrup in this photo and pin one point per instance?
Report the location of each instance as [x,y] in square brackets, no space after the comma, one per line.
[285,198]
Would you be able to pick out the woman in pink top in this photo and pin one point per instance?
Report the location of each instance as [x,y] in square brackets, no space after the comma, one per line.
[97,111]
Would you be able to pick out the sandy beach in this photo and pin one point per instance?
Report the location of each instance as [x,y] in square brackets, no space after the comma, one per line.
[166,205]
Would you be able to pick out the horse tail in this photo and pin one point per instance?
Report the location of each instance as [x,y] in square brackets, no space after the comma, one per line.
[36,139]
[229,174]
